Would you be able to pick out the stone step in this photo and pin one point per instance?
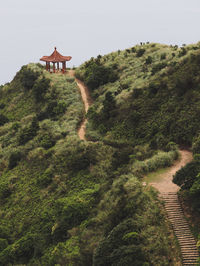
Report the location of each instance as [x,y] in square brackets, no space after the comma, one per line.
[180,224]
[189,263]
[172,210]
[183,239]
[185,242]
[195,253]
[181,228]
[186,245]
[186,236]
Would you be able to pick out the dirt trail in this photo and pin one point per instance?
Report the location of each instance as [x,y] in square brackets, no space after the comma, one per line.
[168,192]
[165,183]
[86,100]
[165,186]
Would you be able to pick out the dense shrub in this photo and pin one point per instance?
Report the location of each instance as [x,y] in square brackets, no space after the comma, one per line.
[182,52]
[195,188]
[5,190]
[157,67]
[46,141]
[20,251]
[28,77]
[14,158]
[196,145]
[64,253]
[148,60]
[2,105]
[45,179]
[121,247]
[3,119]
[53,110]
[40,88]
[186,176]
[163,56]
[70,212]
[3,244]
[109,105]
[140,52]
[29,132]
[160,160]
[95,74]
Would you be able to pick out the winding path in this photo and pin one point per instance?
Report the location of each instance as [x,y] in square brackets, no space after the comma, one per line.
[168,191]
[86,100]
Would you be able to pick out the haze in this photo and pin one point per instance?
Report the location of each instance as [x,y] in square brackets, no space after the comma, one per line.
[82,29]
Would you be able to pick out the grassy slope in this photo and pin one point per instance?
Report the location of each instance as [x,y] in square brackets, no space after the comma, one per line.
[154,101]
[65,200]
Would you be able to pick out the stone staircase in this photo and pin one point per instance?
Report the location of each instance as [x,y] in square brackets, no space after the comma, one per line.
[181,228]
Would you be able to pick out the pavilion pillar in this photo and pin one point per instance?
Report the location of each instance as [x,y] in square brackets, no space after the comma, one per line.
[57,65]
[47,66]
[54,67]
[64,67]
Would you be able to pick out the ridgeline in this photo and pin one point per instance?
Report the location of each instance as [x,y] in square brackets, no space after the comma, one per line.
[66,201]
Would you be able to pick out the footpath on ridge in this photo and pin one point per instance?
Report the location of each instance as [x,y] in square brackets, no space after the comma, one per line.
[86,100]
[168,192]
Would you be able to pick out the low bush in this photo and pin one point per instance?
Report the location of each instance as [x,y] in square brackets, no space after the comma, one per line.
[186,176]
[45,179]
[182,52]
[46,141]
[160,160]
[29,132]
[28,77]
[3,244]
[148,60]
[40,88]
[95,74]
[120,247]
[157,67]
[163,56]
[5,190]
[53,110]
[3,119]
[140,52]
[70,212]
[2,105]
[20,251]
[14,158]
[196,145]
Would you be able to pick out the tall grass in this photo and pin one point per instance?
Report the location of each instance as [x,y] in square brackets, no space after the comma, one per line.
[160,160]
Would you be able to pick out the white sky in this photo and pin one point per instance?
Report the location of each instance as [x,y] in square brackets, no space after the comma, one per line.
[84,28]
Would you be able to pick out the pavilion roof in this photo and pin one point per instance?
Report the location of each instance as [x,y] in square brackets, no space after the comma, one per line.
[55,57]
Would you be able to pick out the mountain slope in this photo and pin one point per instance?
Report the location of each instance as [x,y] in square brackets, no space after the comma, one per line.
[64,200]
[154,94]
[150,95]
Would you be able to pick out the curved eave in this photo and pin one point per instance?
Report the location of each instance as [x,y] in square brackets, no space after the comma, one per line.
[55,60]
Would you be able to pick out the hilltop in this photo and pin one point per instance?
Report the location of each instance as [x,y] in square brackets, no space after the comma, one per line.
[154,90]
[66,201]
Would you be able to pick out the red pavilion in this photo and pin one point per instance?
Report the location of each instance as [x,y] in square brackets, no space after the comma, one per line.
[56,58]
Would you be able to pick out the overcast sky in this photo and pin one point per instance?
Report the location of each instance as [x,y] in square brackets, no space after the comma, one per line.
[86,28]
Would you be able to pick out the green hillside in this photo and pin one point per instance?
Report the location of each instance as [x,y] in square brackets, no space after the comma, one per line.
[64,201]
[150,95]
[154,91]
